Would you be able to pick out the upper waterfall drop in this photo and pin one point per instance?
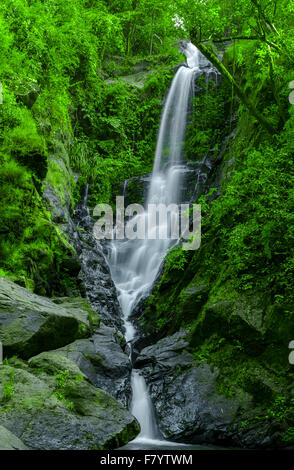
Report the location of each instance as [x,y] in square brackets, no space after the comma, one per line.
[174,117]
[192,55]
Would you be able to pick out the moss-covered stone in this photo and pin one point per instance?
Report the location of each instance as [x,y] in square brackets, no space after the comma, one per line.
[81,308]
[103,359]
[51,406]
[30,324]
[52,362]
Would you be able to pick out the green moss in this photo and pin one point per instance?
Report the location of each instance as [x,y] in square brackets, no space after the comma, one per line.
[61,180]
[27,146]
[126,435]
[64,383]
[209,124]
[8,387]
[32,249]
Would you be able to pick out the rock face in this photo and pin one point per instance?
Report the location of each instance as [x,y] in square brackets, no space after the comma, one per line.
[9,441]
[95,276]
[60,212]
[99,287]
[101,358]
[191,407]
[88,267]
[30,324]
[51,405]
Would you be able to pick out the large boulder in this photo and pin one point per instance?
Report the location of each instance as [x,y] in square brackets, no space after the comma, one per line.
[80,308]
[103,359]
[30,324]
[53,406]
[193,406]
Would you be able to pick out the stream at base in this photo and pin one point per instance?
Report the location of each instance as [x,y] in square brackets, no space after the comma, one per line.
[146,444]
[135,263]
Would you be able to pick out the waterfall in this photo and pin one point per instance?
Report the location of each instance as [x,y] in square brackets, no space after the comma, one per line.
[134,264]
[141,407]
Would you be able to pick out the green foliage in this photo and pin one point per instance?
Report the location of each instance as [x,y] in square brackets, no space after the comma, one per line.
[63,381]
[176,258]
[148,25]
[27,146]
[213,344]
[124,137]
[58,110]
[289,435]
[205,199]
[261,30]
[281,409]
[32,249]
[209,123]
[8,387]
[256,207]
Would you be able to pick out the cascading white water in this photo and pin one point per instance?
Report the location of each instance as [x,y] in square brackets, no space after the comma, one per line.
[134,264]
[141,407]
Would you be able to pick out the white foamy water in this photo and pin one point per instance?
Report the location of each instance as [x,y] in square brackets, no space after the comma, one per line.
[134,264]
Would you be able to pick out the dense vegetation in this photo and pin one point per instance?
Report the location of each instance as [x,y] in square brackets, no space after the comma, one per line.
[59,114]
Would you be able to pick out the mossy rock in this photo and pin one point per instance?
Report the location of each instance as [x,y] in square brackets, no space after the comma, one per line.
[52,362]
[27,146]
[236,320]
[61,410]
[80,307]
[30,324]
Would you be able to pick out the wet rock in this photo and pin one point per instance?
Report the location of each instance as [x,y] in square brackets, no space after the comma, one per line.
[88,266]
[56,409]
[9,441]
[189,406]
[30,323]
[99,287]
[166,352]
[101,358]
[95,276]
[184,392]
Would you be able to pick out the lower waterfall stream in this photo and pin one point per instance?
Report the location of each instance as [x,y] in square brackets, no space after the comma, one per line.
[134,263]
